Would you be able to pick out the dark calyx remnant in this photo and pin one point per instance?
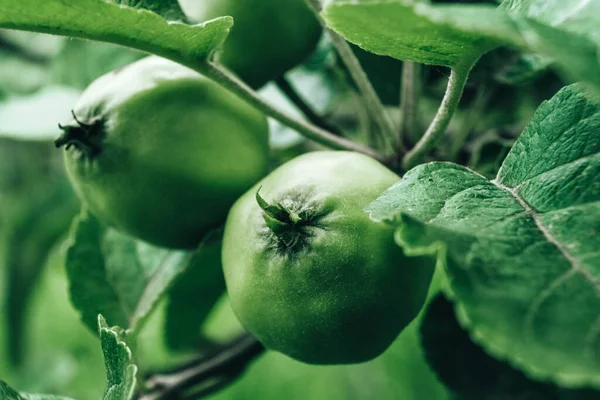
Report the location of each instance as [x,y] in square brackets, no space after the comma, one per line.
[288,220]
[84,136]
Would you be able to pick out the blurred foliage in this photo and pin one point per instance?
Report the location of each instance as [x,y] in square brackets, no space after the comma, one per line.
[41,77]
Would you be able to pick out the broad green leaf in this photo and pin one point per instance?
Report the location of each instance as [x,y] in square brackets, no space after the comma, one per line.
[407,31]
[105,21]
[521,250]
[120,368]
[114,275]
[452,34]
[194,294]
[7,393]
[169,9]
[470,372]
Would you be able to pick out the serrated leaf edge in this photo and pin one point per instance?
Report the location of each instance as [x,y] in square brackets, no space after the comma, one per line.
[131,369]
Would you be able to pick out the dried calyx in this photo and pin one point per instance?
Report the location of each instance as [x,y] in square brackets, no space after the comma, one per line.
[85,136]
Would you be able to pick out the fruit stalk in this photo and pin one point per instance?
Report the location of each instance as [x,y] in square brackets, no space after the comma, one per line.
[310,131]
[229,362]
[409,97]
[372,102]
[437,128]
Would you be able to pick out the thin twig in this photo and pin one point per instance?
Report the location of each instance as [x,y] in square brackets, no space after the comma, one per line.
[374,105]
[230,360]
[410,94]
[231,82]
[212,387]
[437,128]
[286,87]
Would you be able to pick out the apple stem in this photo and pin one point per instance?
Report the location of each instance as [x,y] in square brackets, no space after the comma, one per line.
[371,100]
[456,85]
[232,83]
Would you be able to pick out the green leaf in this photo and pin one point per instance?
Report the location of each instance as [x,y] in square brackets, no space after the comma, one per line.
[194,294]
[450,34]
[169,9]
[108,22]
[7,393]
[407,31]
[120,369]
[114,275]
[470,372]
[521,250]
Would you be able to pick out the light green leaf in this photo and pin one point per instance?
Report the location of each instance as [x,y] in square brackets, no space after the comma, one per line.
[120,369]
[521,250]
[450,34]
[108,22]
[114,275]
[169,9]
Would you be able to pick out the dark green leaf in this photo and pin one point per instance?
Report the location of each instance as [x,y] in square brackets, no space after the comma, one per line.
[194,294]
[120,369]
[113,275]
[470,372]
[521,250]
